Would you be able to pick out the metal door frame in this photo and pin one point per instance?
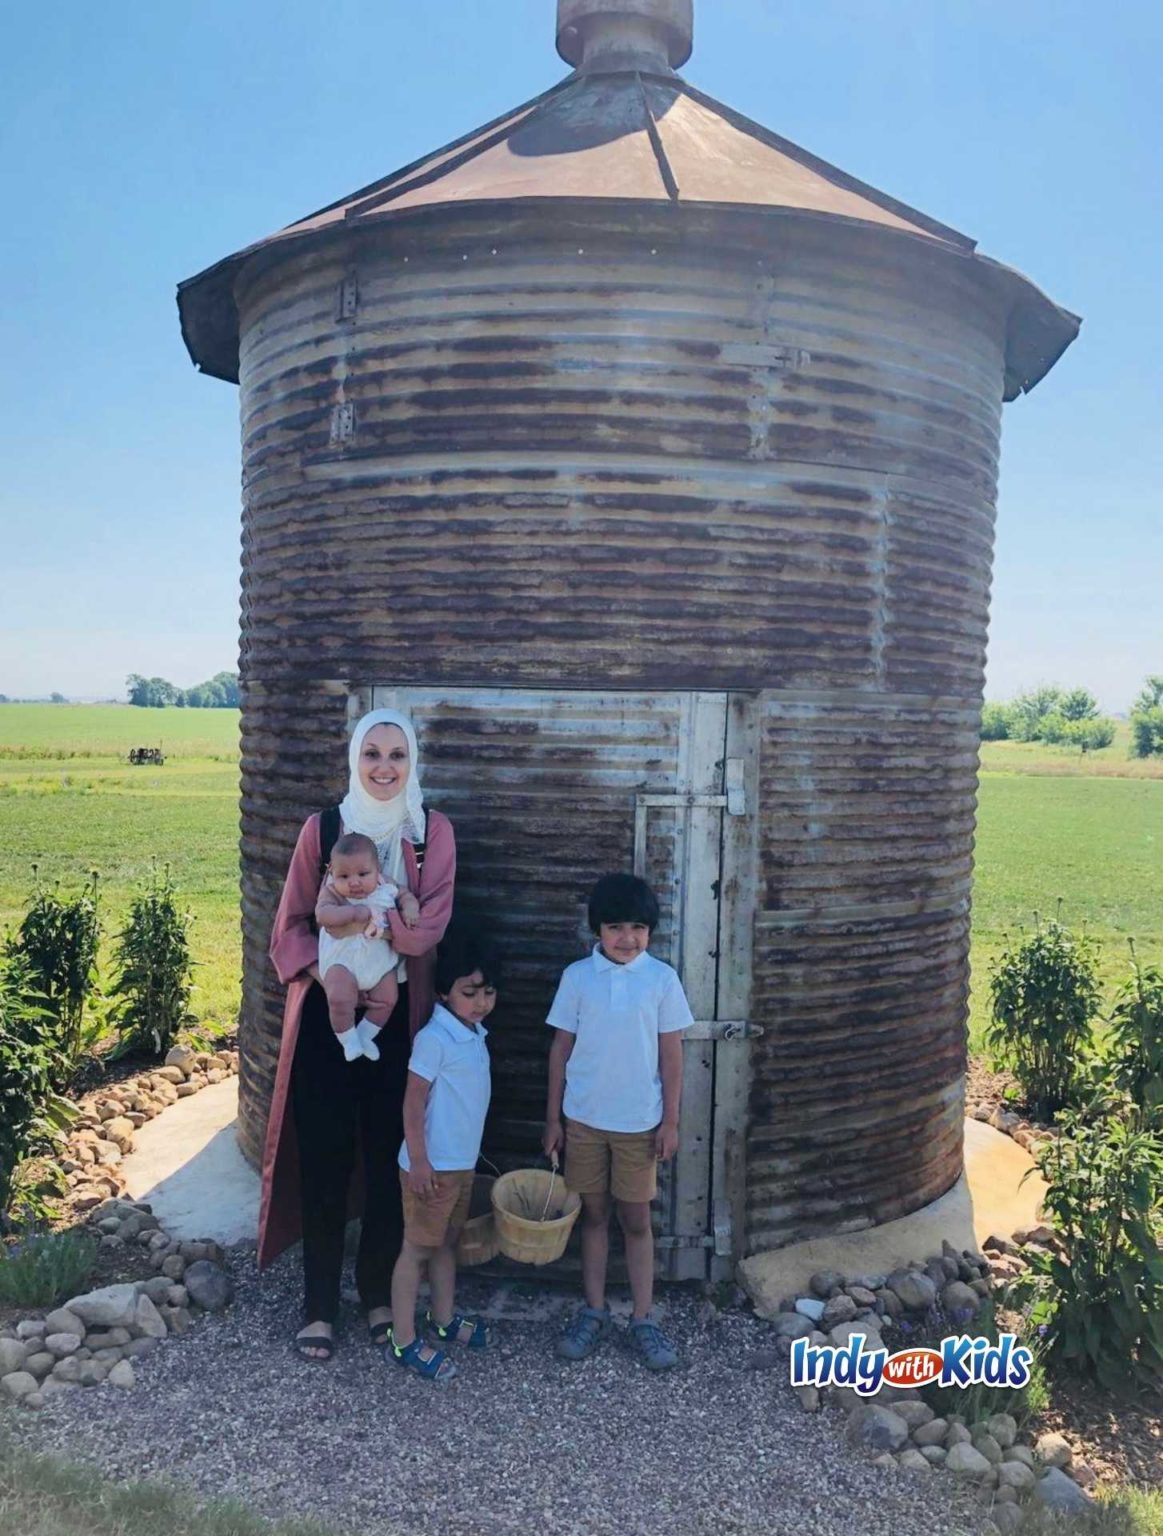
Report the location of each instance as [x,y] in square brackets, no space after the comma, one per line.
[706,1189]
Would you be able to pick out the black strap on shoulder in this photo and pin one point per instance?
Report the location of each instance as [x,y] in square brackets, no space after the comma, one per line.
[329,825]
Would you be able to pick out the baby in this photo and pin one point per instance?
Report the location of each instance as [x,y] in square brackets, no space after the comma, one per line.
[359,967]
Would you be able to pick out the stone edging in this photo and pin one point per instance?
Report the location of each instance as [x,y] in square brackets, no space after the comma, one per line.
[898,1427]
[96,1337]
[108,1118]
[1027,1133]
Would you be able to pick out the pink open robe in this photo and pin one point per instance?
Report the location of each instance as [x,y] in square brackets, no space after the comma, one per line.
[295,947]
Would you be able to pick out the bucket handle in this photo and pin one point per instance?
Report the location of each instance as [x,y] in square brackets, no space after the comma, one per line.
[481,1158]
[552,1181]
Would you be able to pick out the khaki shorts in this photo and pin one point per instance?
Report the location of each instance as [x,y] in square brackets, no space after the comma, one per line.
[427,1223]
[624,1163]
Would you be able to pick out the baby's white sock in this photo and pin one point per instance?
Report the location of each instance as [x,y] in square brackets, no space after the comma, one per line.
[353,1047]
[367,1032]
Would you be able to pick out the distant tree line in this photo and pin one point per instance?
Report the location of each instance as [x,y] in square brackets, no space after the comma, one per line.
[1070,717]
[1147,720]
[220,692]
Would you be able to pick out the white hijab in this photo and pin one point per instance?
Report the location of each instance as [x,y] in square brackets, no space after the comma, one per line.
[386,822]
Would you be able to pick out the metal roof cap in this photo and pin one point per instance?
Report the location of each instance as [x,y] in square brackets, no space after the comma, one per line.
[603,36]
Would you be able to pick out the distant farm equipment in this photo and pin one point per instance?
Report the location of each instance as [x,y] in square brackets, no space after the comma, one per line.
[147,755]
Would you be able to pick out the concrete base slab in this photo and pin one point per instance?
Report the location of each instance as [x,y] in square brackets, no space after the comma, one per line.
[989,1198]
[186,1163]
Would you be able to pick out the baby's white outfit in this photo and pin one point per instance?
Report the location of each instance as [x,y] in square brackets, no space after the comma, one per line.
[368,960]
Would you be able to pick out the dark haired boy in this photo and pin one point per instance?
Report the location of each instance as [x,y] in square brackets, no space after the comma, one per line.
[445,1104]
[615,1081]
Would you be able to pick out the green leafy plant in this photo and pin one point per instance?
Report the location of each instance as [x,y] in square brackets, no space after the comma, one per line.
[38,1188]
[45,1268]
[151,994]
[1136,1041]
[1044,994]
[58,937]
[32,1113]
[1102,1297]
[980,1401]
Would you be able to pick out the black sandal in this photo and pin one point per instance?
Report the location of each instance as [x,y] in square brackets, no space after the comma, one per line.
[379,1333]
[305,1341]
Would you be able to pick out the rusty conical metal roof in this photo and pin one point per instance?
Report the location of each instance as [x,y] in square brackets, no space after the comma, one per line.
[638,135]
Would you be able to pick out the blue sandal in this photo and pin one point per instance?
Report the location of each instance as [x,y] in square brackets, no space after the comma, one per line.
[479,1336]
[437,1368]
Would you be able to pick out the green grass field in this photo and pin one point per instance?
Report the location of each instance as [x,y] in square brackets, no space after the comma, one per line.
[1096,844]
[1052,824]
[70,802]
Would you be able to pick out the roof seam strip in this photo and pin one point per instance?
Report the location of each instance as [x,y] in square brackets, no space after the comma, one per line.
[664,167]
[827,170]
[384,184]
[438,172]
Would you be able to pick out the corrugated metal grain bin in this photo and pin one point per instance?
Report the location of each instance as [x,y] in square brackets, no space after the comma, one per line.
[650,463]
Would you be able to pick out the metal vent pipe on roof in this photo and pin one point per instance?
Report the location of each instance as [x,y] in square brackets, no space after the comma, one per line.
[607,35]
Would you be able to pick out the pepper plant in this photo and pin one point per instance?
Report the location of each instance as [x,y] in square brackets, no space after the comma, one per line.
[1044,994]
[58,937]
[151,994]
[1136,1041]
[1103,1297]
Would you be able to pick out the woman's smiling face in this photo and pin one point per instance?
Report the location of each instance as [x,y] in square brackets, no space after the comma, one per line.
[383,762]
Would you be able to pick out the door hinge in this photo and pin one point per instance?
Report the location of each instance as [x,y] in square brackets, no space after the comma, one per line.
[343,423]
[347,297]
[766,355]
[736,790]
[684,1242]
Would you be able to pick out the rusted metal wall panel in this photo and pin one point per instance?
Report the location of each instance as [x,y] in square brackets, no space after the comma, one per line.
[860,961]
[621,463]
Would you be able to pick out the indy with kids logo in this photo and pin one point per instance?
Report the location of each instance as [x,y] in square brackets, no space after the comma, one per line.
[960,1360]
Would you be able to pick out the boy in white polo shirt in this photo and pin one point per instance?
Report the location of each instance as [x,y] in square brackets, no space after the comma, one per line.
[615,1070]
[445,1104]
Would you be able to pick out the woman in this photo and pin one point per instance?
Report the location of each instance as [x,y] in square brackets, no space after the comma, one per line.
[335,1105]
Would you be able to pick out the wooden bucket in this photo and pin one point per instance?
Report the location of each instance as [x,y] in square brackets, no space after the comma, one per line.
[478,1238]
[534,1214]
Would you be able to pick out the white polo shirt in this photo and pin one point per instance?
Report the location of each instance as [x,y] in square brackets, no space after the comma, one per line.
[617,1013]
[455,1060]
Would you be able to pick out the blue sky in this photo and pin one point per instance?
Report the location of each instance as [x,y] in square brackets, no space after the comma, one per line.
[139,143]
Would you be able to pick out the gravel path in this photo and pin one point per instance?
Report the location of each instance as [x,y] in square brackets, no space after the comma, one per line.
[519,1443]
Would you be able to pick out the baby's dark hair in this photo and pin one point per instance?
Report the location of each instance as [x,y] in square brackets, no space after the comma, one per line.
[354,842]
[622,899]
[463,951]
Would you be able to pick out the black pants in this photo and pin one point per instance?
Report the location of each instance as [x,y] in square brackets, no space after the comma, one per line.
[332,1100]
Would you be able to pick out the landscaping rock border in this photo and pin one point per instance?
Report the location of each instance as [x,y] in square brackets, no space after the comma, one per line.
[110,1116]
[897,1429]
[985,1102]
[97,1336]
